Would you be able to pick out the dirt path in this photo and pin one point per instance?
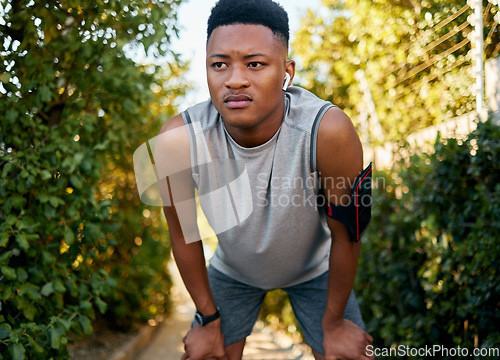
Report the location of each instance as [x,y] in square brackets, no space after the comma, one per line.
[263,344]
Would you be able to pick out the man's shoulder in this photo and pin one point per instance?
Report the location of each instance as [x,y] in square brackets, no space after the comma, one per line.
[172,123]
[338,140]
[337,126]
[173,137]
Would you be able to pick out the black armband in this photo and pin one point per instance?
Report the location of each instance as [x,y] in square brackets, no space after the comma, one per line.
[357,214]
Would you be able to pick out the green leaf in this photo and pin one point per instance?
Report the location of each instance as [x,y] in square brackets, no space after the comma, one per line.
[85,305]
[55,201]
[32,237]
[65,323]
[21,224]
[101,305]
[79,157]
[10,220]
[55,337]
[32,291]
[9,272]
[6,293]
[58,286]
[29,311]
[5,331]
[49,211]
[17,201]
[69,236]
[11,115]
[5,257]
[44,93]
[47,258]
[22,241]
[45,174]
[22,275]
[18,352]
[34,344]
[47,289]
[76,181]
[43,198]
[4,239]
[86,324]
[71,211]
[71,286]
[101,146]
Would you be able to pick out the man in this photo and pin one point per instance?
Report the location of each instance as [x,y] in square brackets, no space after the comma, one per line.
[259,154]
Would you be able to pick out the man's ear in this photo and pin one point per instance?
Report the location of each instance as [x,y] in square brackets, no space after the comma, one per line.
[290,69]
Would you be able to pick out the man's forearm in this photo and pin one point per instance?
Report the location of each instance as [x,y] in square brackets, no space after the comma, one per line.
[190,260]
[343,265]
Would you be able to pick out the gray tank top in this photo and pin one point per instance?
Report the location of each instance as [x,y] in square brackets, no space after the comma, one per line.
[261,201]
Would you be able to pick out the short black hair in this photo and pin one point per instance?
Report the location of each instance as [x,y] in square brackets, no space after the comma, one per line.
[257,12]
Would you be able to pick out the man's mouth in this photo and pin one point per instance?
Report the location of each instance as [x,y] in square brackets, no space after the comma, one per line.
[237,101]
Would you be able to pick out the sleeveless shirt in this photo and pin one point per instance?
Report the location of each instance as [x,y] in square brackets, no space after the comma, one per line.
[261,201]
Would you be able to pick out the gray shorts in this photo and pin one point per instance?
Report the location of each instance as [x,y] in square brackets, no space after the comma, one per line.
[239,305]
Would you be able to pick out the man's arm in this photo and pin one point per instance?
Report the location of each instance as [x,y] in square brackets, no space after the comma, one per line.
[172,150]
[339,162]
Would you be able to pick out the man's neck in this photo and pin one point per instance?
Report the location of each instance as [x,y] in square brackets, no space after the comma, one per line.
[260,134]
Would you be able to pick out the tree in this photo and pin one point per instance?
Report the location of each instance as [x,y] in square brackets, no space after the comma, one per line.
[75,107]
[416,57]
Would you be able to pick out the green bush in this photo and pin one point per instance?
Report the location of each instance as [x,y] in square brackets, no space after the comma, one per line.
[74,237]
[429,270]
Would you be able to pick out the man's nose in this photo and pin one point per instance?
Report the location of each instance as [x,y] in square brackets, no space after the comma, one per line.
[236,79]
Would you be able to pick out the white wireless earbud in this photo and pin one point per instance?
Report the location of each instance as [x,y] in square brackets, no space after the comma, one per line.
[287,81]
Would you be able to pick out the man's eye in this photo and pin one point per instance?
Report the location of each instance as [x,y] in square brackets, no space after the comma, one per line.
[255,64]
[219,65]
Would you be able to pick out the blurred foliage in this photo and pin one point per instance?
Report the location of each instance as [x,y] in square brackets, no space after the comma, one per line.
[277,312]
[416,56]
[74,236]
[429,270]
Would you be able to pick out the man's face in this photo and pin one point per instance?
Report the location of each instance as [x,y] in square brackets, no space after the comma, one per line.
[245,71]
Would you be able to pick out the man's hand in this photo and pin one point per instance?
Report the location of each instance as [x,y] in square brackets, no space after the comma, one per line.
[345,340]
[204,343]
